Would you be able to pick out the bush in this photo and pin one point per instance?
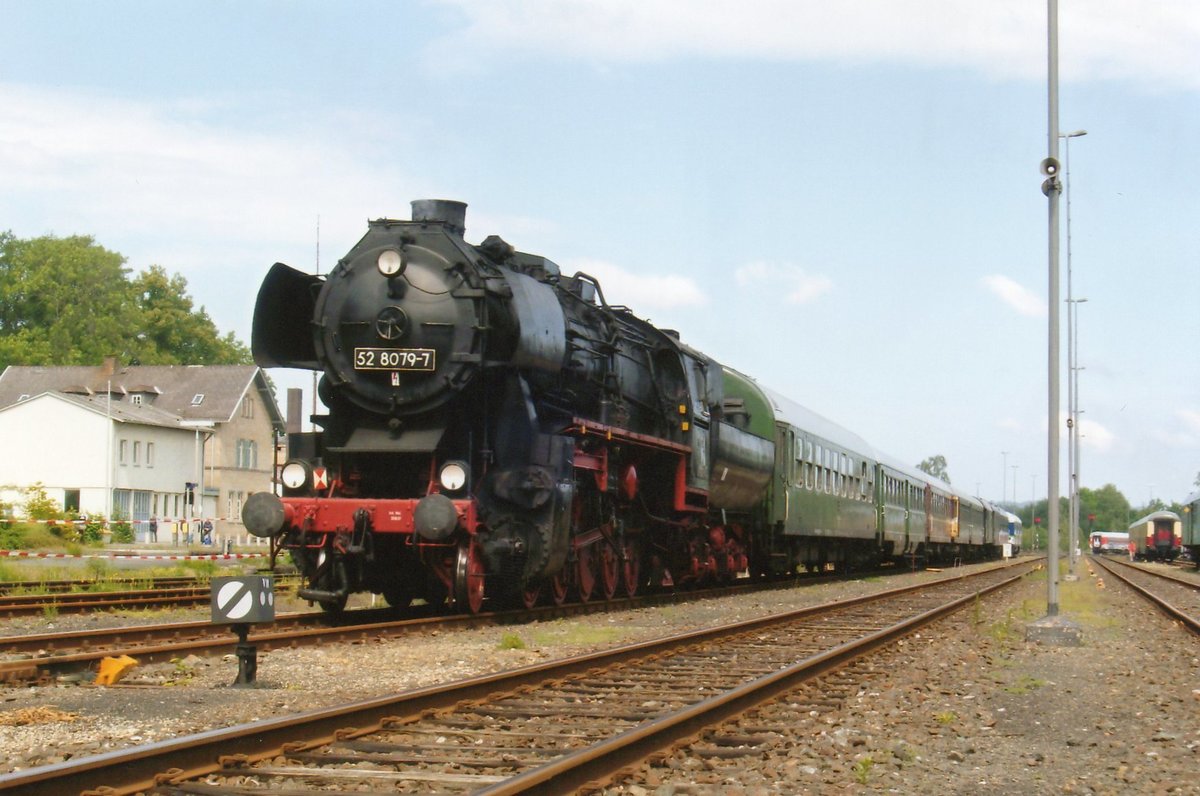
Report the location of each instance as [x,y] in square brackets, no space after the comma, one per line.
[30,536]
[122,531]
[92,531]
[39,505]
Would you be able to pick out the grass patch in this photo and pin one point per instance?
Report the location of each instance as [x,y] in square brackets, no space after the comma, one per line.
[945,717]
[510,641]
[1082,602]
[1025,685]
[563,633]
[862,769]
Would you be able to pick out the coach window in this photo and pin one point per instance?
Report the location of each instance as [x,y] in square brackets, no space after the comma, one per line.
[808,463]
[796,466]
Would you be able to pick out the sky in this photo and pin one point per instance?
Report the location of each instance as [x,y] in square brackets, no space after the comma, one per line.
[841,200]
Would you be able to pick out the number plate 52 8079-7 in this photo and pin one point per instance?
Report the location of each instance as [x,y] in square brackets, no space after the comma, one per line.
[395,359]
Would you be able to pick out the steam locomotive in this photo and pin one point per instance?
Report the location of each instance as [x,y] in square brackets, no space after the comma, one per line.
[497,430]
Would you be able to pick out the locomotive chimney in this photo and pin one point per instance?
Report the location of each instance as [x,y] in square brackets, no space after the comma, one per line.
[444,211]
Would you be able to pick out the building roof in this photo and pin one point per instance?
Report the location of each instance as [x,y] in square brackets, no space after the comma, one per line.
[117,411]
[209,393]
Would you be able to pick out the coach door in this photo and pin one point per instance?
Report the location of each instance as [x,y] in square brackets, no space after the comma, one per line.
[698,420]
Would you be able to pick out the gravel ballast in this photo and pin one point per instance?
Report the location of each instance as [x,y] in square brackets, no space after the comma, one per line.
[966,706]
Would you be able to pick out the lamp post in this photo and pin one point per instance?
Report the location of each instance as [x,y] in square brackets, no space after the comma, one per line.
[1072,381]
[1051,188]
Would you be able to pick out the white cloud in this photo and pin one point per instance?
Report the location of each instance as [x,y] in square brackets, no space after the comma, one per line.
[643,292]
[1015,295]
[1157,45]
[112,167]
[795,284]
[1095,437]
[1191,419]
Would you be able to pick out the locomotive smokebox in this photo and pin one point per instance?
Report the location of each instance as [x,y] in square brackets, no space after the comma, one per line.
[443,211]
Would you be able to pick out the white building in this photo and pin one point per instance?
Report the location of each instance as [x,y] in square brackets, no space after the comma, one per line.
[83,448]
[131,443]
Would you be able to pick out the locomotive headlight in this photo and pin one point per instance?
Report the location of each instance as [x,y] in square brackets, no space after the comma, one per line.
[391,263]
[294,475]
[453,476]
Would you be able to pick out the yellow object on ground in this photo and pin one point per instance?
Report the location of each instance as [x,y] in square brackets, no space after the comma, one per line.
[113,669]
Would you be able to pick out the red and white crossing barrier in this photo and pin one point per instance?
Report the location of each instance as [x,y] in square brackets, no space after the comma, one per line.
[137,556]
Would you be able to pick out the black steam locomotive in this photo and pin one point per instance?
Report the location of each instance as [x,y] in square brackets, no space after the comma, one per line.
[497,429]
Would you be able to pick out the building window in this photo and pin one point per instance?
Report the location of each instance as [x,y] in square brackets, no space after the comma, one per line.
[247,454]
[136,399]
[197,399]
[137,454]
[248,407]
[123,455]
[149,454]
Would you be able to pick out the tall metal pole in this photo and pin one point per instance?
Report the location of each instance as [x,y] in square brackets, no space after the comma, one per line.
[1070,380]
[1072,366]
[1052,188]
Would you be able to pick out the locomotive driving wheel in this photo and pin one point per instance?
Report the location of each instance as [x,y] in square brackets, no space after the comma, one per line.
[559,586]
[630,568]
[609,565]
[586,565]
[468,578]
[530,593]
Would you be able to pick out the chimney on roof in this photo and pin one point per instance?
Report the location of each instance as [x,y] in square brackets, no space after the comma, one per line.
[102,379]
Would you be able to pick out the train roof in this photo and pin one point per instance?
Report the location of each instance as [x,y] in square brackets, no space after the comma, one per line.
[1155,515]
[805,419]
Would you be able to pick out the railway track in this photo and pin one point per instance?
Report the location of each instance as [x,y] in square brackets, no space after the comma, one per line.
[553,727]
[74,596]
[43,656]
[39,587]
[1177,596]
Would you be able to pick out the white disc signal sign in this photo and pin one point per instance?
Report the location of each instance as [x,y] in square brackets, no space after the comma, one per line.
[234,600]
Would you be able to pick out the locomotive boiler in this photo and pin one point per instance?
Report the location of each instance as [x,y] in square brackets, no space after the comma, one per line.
[497,429]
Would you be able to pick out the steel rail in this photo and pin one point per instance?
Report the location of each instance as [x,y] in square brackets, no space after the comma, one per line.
[594,765]
[153,643]
[188,757]
[1189,621]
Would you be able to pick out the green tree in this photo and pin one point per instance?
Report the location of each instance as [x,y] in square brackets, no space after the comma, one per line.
[70,301]
[1110,507]
[172,331]
[935,466]
[63,301]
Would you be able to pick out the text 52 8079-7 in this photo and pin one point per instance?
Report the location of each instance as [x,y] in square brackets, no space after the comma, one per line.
[394,359]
